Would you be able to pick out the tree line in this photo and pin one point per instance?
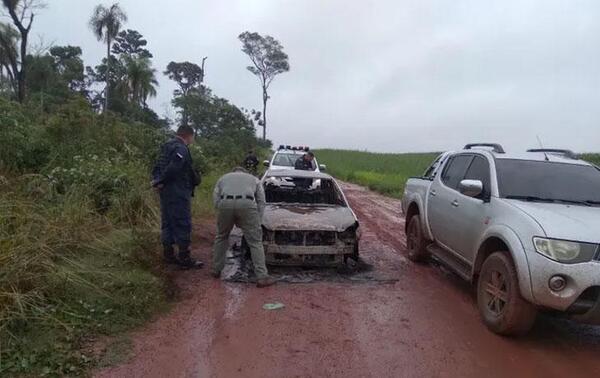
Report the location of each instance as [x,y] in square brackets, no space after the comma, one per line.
[125,79]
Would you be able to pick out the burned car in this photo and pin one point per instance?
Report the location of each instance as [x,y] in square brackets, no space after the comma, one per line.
[307,220]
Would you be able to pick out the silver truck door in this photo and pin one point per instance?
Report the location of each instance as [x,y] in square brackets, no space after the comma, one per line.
[471,213]
[442,194]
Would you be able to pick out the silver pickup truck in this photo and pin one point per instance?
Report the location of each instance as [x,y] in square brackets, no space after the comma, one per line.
[525,228]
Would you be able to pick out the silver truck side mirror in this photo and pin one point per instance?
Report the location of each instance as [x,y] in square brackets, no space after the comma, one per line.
[470,188]
[322,167]
[266,163]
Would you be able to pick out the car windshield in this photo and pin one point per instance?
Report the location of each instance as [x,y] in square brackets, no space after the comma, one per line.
[548,181]
[285,160]
[303,190]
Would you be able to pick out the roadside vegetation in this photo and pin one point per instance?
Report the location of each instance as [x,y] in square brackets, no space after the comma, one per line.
[79,223]
[385,173]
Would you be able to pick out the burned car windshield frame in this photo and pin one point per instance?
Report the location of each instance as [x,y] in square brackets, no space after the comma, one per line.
[300,190]
[547,180]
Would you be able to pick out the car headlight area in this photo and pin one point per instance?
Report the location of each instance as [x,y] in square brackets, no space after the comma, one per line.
[565,251]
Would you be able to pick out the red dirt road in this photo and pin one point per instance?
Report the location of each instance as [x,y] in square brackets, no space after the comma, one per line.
[424,325]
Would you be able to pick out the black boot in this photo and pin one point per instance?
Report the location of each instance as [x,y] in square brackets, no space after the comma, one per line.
[169,254]
[186,262]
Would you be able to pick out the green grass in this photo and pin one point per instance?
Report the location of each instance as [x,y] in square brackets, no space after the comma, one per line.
[592,158]
[385,173]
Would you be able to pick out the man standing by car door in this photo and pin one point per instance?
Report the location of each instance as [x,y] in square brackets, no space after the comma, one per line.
[240,201]
[175,179]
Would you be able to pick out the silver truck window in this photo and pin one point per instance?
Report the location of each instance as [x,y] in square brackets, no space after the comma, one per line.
[433,168]
[480,170]
[455,170]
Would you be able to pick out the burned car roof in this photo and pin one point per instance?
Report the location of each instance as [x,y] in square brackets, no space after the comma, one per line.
[297,173]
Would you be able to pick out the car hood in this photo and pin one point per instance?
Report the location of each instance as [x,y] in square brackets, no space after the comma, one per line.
[303,217]
[560,221]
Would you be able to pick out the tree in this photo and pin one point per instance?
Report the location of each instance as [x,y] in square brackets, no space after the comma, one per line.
[268,60]
[106,23]
[189,78]
[69,65]
[9,56]
[22,13]
[131,43]
[141,79]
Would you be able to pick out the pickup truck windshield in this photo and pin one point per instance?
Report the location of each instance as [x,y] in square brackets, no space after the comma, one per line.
[285,160]
[548,182]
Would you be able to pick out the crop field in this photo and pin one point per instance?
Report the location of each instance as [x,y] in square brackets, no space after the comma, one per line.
[384,172]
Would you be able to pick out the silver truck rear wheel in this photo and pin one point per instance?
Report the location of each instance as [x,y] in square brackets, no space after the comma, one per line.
[415,242]
[501,306]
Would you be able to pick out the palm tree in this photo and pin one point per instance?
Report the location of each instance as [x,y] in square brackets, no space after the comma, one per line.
[141,79]
[106,23]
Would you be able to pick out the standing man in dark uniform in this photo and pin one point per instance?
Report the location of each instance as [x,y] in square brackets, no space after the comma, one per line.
[174,178]
[251,163]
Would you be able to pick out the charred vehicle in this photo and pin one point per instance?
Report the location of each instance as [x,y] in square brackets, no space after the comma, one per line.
[307,220]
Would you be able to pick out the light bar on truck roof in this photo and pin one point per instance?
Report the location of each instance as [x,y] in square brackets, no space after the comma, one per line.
[293,148]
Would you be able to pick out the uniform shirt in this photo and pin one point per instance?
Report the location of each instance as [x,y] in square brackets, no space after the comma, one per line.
[303,164]
[174,169]
[239,184]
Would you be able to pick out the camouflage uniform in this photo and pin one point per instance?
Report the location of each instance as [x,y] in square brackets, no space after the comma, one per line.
[240,201]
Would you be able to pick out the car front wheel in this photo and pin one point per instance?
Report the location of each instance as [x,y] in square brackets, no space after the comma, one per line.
[502,308]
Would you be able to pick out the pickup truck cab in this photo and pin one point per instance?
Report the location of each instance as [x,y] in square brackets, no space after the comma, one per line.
[525,228]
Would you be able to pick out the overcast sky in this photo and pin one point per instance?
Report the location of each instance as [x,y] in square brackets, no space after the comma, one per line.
[388,75]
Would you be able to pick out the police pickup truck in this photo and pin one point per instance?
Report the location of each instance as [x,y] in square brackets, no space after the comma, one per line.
[524,228]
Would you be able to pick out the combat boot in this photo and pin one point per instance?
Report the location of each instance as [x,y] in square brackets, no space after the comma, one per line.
[169,254]
[186,262]
[264,282]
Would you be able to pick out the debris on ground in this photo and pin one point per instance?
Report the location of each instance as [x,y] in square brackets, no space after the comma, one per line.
[273,306]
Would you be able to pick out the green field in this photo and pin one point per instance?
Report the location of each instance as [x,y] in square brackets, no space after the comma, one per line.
[385,173]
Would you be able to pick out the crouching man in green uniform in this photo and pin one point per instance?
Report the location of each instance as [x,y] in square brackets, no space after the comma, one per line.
[240,201]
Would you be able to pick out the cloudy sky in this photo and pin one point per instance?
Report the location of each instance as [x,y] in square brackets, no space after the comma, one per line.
[387,75]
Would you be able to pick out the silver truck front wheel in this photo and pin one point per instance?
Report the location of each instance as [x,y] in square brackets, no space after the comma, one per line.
[502,308]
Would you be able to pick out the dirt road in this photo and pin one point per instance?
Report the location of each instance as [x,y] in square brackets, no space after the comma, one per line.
[424,323]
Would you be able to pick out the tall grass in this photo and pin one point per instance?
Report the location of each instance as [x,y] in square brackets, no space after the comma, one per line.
[67,271]
[383,172]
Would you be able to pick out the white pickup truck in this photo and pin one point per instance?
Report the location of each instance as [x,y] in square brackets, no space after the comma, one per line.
[525,228]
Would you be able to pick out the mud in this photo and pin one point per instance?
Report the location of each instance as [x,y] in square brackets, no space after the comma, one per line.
[423,323]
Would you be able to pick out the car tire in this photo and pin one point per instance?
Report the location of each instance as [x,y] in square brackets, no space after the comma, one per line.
[415,242]
[501,306]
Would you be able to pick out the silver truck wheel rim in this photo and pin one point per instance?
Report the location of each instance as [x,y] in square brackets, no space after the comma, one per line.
[496,293]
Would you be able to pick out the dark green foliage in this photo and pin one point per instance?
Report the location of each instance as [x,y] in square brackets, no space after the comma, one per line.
[131,43]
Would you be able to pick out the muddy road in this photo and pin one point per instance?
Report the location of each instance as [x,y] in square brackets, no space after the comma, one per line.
[418,322]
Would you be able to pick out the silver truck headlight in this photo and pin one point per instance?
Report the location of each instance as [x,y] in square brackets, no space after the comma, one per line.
[565,251]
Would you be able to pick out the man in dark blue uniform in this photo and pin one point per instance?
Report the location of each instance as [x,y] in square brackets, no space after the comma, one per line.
[174,178]
[305,162]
